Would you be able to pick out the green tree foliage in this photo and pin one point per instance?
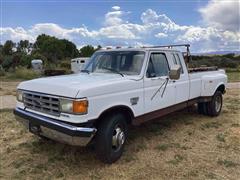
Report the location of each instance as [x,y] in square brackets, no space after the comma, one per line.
[24,46]
[222,61]
[50,47]
[98,47]
[1,48]
[7,62]
[54,49]
[7,48]
[87,51]
[71,50]
[230,55]
[1,53]
[26,61]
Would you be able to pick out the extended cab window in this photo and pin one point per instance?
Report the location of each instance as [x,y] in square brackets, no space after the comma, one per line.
[158,65]
[176,60]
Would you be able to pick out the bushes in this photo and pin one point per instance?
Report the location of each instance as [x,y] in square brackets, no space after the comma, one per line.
[65,64]
[7,62]
[23,73]
[55,72]
[2,72]
[225,62]
[16,60]
[221,61]
[26,61]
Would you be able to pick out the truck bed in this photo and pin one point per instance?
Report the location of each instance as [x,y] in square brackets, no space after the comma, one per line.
[203,82]
[202,69]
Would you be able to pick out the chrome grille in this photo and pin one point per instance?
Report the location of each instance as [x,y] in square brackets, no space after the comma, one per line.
[42,103]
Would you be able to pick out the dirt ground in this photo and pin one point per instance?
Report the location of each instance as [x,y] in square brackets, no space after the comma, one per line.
[8,87]
[183,145]
[7,94]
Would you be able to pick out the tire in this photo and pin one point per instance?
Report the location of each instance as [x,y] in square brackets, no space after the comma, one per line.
[111,137]
[203,108]
[43,138]
[200,108]
[215,105]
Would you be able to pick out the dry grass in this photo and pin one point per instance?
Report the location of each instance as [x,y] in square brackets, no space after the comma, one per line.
[184,145]
[20,73]
[8,87]
[233,76]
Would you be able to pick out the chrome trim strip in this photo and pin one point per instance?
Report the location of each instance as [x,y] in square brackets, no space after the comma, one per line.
[55,124]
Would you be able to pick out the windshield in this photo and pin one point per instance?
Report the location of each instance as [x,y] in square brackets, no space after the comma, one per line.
[121,62]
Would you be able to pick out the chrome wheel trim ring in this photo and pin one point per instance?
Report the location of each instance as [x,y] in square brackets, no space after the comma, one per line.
[218,103]
[118,138]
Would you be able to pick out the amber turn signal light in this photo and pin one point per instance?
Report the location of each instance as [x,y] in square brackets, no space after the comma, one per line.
[80,107]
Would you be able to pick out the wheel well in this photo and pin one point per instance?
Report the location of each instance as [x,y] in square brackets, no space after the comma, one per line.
[221,88]
[117,109]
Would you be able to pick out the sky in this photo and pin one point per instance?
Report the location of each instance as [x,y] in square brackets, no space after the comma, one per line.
[208,25]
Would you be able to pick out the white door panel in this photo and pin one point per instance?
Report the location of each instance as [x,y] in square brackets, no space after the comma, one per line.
[156,74]
[157,100]
[182,90]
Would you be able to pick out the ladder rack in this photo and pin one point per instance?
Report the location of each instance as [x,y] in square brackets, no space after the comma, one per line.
[169,46]
[189,58]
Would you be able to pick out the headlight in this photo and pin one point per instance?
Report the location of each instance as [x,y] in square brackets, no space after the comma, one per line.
[19,96]
[74,106]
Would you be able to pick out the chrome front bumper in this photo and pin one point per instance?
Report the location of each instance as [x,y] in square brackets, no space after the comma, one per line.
[54,129]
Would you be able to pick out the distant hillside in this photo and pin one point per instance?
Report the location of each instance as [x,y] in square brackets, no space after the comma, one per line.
[218,53]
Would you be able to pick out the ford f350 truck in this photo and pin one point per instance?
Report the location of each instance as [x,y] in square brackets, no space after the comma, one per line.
[117,88]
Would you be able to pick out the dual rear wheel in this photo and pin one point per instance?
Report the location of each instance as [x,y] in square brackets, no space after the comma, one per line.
[213,107]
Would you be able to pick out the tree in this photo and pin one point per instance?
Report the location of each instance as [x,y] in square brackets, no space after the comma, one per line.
[8,47]
[1,53]
[229,55]
[70,49]
[51,47]
[54,49]
[24,46]
[87,51]
[98,47]
[1,48]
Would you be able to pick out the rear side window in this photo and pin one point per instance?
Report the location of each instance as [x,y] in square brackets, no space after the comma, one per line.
[158,65]
[176,60]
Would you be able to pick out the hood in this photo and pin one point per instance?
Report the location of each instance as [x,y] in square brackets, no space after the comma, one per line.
[69,85]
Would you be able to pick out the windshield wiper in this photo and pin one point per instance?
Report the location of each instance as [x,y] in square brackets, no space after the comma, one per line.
[85,71]
[113,70]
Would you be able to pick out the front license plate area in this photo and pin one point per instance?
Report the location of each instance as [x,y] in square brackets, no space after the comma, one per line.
[35,129]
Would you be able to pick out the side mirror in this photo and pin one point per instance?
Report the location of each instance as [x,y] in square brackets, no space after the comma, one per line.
[175,72]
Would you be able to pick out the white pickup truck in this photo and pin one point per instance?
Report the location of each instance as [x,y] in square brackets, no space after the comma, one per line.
[117,88]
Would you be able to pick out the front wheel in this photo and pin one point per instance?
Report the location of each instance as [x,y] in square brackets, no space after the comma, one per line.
[111,137]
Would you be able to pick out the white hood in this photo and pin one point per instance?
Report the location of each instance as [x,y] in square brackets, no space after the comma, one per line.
[74,85]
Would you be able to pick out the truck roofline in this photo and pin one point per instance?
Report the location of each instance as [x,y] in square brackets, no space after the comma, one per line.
[138,49]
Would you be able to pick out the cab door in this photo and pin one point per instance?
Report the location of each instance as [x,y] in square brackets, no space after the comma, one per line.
[182,84]
[157,96]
